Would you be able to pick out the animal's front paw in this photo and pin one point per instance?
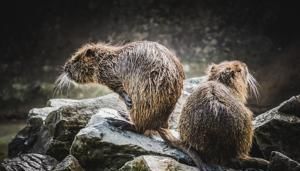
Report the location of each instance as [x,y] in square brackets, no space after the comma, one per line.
[121,124]
[128,101]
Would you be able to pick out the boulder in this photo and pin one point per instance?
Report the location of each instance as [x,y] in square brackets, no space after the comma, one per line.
[51,130]
[84,129]
[280,162]
[70,163]
[279,129]
[61,126]
[32,162]
[100,145]
[155,163]
[162,163]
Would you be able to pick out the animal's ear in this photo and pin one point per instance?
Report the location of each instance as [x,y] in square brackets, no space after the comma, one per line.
[90,52]
[211,68]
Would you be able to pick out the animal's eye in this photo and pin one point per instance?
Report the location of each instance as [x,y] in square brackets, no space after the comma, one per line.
[90,53]
[76,59]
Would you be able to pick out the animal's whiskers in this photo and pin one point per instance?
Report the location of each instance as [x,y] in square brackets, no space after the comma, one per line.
[61,83]
[253,84]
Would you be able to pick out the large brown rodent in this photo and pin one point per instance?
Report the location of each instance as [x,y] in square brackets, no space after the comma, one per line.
[215,121]
[146,75]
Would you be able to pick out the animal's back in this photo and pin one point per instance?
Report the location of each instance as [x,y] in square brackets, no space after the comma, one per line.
[219,125]
[153,78]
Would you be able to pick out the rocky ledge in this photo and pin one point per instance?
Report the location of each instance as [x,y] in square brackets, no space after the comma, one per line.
[76,135]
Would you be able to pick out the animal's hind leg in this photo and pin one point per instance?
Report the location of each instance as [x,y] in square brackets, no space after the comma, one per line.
[190,151]
[127,100]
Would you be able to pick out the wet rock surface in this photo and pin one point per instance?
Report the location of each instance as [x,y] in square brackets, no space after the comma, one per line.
[29,162]
[280,162]
[279,129]
[78,135]
[70,163]
[51,130]
[154,163]
[101,145]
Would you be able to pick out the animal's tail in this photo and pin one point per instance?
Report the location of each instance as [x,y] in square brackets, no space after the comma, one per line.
[167,136]
[250,162]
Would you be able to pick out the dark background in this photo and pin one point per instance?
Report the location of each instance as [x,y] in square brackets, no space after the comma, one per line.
[38,36]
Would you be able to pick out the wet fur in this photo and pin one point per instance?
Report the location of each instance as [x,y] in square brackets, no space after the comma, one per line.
[148,72]
[214,120]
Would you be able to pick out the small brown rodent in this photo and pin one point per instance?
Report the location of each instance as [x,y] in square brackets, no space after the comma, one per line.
[146,75]
[215,121]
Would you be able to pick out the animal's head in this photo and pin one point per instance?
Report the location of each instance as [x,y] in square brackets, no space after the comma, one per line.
[82,66]
[235,75]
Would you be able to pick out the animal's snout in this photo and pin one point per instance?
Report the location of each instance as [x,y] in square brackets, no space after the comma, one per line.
[67,67]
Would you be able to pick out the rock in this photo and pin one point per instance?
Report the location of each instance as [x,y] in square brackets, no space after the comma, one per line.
[155,163]
[26,138]
[278,131]
[32,162]
[280,162]
[54,135]
[291,106]
[161,163]
[101,145]
[70,163]
[110,101]
[51,130]
[62,125]
[192,83]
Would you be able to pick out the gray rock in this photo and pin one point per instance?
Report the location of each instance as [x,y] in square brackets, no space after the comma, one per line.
[62,125]
[30,162]
[101,145]
[161,163]
[291,106]
[280,162]
[192,83]
[278,131]
[51,130]
[110,101]
[155,163]
[70,163]
[26,138]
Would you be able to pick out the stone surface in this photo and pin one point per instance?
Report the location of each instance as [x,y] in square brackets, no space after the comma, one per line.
[26,138]
[162,163]
[101,145]
[70,163]
[280,162]
[29,162]
[278,131]
[83,129]
[62,126]
[51,130]
[155,163]
[291,106]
